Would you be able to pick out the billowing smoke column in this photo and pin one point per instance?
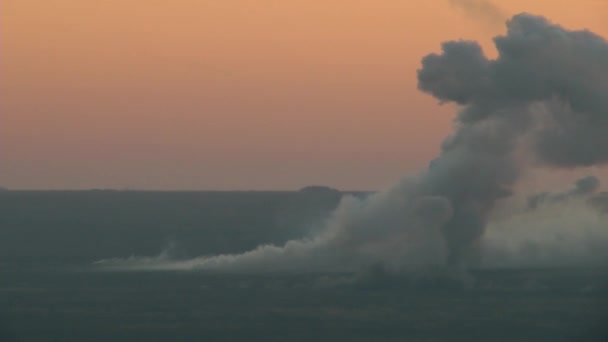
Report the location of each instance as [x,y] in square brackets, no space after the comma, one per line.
[542,102]
[547,92]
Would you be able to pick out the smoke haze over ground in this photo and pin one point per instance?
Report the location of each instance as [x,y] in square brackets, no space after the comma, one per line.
[540,104]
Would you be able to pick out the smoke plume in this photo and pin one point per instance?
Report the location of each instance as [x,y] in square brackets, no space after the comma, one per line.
[545,93]
[543,102]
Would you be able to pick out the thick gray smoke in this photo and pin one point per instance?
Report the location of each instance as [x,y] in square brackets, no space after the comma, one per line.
[546,92]
[543,102]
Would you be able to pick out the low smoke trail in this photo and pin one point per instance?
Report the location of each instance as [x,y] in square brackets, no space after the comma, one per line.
[359,233]
[541,103]
[570,231]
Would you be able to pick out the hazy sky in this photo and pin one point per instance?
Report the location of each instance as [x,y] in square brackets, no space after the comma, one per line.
[232,94]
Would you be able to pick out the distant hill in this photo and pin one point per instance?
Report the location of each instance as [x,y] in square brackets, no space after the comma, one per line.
[319,189]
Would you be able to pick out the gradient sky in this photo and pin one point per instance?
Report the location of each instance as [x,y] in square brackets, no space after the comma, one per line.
[232,94]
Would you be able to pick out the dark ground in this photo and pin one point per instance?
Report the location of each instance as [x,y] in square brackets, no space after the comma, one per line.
[50,292]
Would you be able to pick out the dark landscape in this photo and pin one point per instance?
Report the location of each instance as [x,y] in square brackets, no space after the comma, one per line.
[50,289]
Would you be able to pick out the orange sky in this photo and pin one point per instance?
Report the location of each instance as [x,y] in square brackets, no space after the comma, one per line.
[231,94]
